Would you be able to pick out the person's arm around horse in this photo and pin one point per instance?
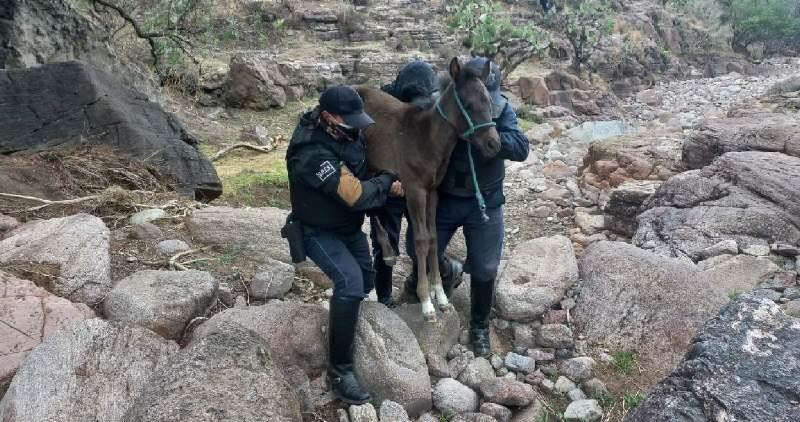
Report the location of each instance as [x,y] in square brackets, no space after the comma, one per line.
[514,145]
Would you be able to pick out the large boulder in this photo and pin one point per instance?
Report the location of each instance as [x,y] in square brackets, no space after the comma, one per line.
[228,375]
[255,82]
[765,132]
[68,255]
[163,301]
[535,278]
[69,36]
[294,333]
[90,371]
[255,228]
[742,196]
[434,338]
[632,299]
[624,204]
[95,108]
[28,315]
[389,362]
[743,365]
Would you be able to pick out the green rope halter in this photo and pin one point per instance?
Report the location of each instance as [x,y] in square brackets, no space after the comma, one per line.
[467,134]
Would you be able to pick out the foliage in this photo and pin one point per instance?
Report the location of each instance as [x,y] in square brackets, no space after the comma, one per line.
[763,20]
[623,362]
[734,294]
[632,400]
[489,32]
[583,23]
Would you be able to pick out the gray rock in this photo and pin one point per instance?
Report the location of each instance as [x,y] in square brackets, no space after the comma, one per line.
[228,372]
[792,293]
[172,246]
[433,337]
[393,412]
[596,389]
[258,229]
[507,392]
[496,361]
[452,397]
[473,417]
[554,335]
[388,360]
[793,308]
[146,216]
[564,385]
[500,413]
[548,385]
[624,203]
[654,319]
[740,196]
[524,335]
[777,248]
[767,294]
[535,412]
[363,413]
[518,363]
[145,231]
[342,415]
[48,119]
[576,394]
[583,411]
[588,223]
[744,362]
[725,247]
[437,366]
[75,246]
[715,137]
[476,372]
[577,369]
[543,355]
[92,370]
[458,364]
[756,250]
[162,301]
[294,333]
[535,278]
[7,223]
[740,273]
[273,279]
[598,130]
[428,417]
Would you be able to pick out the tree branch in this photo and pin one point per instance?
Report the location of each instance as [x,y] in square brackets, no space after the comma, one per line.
[48,202]
[229,148]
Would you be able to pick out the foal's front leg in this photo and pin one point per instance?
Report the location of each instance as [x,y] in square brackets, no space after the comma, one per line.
[437,290]
[387,251]
[416,201]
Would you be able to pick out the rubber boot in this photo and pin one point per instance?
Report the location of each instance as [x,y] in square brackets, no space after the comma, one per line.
[383,284]
[481,297]
[341,333]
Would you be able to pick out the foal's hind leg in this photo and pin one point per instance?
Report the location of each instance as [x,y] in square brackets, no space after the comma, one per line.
[387,251]
[437,290]
[416,202]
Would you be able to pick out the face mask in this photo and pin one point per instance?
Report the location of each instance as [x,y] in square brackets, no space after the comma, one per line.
[342,131]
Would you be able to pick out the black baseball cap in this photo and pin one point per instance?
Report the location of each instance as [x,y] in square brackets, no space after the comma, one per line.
[345,102]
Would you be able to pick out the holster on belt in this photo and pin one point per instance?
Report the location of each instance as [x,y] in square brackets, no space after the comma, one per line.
[292,231]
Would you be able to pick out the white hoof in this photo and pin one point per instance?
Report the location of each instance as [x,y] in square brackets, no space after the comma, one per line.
[428,311]
[390,261]
[441,297]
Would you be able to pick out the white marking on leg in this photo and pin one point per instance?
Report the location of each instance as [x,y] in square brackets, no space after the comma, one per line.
[441,298]
[428,310]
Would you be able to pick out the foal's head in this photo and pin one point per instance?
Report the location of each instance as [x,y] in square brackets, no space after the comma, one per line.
[472,118]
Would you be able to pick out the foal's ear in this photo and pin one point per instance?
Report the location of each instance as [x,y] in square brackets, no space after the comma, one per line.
[455,69]
[486,72]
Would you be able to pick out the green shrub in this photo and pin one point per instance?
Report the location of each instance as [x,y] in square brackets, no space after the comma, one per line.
[763,20]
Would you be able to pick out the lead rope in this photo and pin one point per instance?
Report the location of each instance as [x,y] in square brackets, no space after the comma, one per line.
[472,129]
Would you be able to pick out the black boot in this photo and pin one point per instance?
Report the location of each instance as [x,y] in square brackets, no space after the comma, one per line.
[341,332]
[410,287]
[383,284]
[481,295]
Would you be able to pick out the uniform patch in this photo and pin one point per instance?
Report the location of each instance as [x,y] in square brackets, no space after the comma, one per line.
[326,169]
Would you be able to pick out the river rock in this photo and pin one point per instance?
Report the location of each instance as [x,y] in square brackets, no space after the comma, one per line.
[28,315]
[500,413]
[583,411]
[476,372]
[388,360]
[163,301]
[227,374]
[507,392]
[535,278]
[392,412]
[273,279]
[557,336]
[92,370]
[145,231]
[71,253]
[577,369]
[363,413]
[172,246]
[519,363]
[258,229]
[433,337]
[146,216]
[742,365]
[452,397]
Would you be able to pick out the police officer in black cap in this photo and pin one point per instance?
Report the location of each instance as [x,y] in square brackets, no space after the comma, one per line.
[330,193]
[458,208]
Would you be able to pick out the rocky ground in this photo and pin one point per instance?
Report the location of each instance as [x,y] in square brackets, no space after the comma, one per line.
[640,227]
